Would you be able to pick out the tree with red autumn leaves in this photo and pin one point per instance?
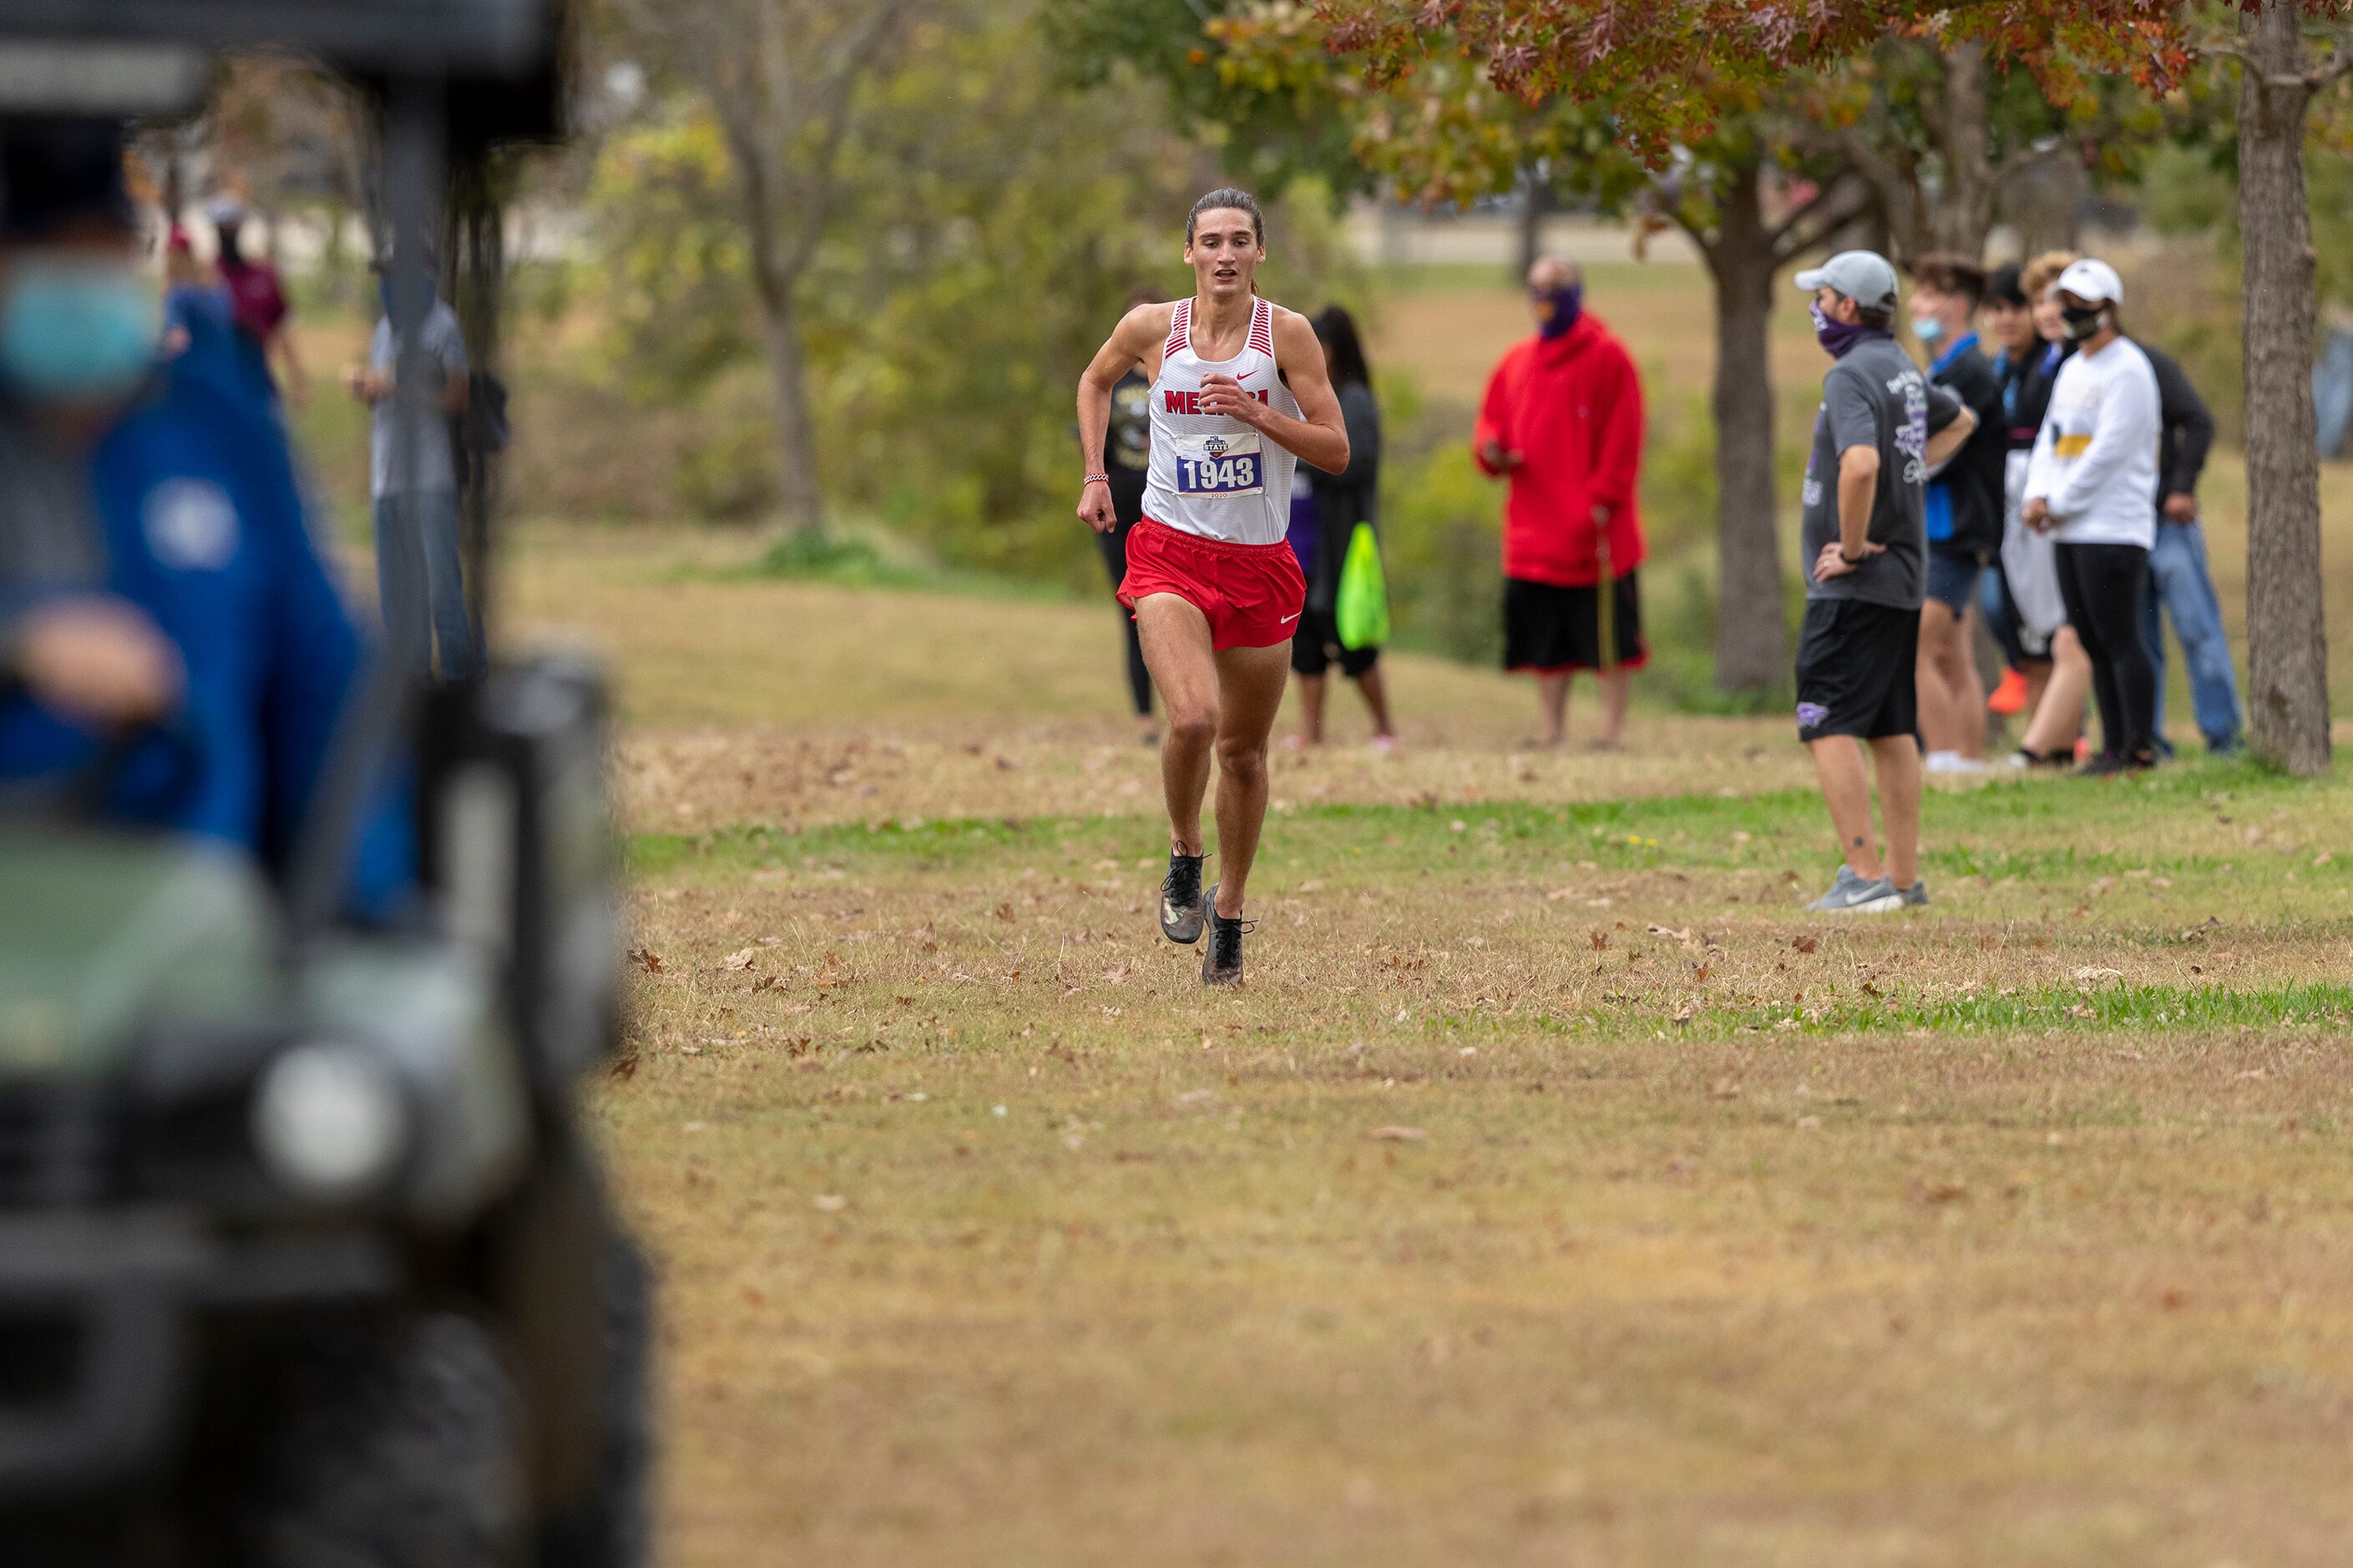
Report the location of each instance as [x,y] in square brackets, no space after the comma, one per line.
[1671,69]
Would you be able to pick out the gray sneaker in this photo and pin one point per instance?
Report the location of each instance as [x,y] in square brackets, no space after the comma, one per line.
[1851,895]
[1915,896]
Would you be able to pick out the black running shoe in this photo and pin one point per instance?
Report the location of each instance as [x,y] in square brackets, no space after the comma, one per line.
[2108,764]
[1222,964]
[1184,908]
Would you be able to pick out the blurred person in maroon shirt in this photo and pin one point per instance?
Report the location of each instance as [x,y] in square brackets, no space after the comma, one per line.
[258,302]
[1563,422]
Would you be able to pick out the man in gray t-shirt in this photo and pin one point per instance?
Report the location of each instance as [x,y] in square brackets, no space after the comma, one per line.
[1874,396]
[416,514]
[1881,430]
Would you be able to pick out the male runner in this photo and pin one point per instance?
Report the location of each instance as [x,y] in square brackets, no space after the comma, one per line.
[1239,394]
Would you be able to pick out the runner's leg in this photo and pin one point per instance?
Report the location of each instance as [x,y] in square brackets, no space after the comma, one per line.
[1250,694]
[1176,646]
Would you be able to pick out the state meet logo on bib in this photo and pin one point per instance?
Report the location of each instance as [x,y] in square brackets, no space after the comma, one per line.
[1220,465]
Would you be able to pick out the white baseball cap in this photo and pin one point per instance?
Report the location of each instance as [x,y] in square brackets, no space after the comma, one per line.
[2093,281]
[1862,276]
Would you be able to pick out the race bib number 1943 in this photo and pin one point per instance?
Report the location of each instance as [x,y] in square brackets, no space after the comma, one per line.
[1219,466]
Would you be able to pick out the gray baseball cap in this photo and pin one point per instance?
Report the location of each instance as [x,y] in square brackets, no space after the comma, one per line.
[1862,276]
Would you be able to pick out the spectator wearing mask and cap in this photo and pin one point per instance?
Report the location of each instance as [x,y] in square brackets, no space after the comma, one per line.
[2090,486]
[1563,422]
[418,563]
[258,302]
[169,637]
[1881,434]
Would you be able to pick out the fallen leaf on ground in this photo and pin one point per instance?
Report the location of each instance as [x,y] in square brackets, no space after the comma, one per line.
[740,959]
[1398,1135]
[1806,943]
[2092,972]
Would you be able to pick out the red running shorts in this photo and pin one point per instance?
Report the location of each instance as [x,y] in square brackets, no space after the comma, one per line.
[1251,594]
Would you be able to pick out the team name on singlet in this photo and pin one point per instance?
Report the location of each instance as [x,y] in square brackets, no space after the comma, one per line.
[1190,402]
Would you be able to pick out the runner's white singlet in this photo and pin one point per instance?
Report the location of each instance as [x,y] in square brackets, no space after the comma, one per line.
[1211,474]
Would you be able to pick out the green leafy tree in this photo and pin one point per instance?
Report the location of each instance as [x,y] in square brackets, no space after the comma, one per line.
[781,79]
[1727,99]
[1944,132]
[1269,116]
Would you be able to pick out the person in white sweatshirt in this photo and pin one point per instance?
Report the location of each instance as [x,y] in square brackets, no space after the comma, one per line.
[2088,484]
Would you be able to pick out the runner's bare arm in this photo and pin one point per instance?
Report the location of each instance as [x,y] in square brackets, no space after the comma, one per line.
[1139,333]
[1319,435]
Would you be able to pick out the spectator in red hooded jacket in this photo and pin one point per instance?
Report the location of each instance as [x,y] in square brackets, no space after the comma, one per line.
[1563,421]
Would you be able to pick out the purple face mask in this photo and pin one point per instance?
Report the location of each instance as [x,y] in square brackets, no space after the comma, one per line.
[1838,337]
[1559,309]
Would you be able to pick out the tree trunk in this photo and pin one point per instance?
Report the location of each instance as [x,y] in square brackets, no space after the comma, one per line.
[1751,639]
[800,503]
[1964,214]
[1535,201]
[2287,650]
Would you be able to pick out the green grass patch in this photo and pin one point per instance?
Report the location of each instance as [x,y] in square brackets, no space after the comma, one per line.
[2036,828]
[2088,1008]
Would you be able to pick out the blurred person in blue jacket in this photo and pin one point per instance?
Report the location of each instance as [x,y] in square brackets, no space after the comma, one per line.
[171,647]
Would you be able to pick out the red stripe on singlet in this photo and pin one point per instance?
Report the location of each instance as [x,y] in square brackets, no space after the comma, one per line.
[1178,324]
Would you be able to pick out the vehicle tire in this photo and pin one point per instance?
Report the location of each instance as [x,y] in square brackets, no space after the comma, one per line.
[396,1445]
[613,1527]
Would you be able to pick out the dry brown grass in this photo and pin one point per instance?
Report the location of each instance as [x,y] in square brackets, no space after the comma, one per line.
[1696,1245]
[1633,1293]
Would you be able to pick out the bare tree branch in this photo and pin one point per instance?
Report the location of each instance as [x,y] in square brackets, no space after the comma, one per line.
[1833,206]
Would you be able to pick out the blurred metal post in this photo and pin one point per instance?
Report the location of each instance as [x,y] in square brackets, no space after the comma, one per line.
[414,131]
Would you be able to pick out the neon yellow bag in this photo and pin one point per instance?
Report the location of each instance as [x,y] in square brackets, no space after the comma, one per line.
[1362,614]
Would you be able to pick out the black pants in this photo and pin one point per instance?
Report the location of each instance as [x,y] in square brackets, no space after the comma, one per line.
[2103,586]
[1127,505]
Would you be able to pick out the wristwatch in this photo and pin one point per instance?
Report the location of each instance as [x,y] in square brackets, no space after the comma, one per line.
[1852,560]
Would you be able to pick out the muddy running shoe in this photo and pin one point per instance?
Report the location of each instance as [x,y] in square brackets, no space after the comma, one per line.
[1915,896]
[1851,895]
[1222,964]
[1183,905]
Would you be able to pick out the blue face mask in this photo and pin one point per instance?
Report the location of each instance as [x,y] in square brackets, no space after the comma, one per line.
[76,331]
[1927,329]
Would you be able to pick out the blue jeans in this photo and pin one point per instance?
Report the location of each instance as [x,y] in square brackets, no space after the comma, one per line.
[2178,577]
[423,585]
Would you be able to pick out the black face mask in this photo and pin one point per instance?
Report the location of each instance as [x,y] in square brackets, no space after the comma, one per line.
[2083,322]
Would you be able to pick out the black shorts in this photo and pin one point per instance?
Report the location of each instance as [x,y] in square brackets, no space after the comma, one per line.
[1855,670]
[1315,648]
[1548,628]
